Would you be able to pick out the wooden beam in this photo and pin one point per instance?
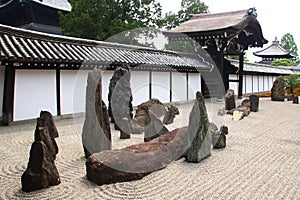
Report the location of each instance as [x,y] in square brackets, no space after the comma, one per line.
[8,95]
[58,101]
[241,75]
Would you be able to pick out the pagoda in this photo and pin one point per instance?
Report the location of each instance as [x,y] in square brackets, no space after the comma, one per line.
[37,15]
[272,52]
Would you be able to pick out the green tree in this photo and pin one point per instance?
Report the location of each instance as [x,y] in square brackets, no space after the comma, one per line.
[288,43]
[188,7]
[292,81]
[282,62]
[100,19]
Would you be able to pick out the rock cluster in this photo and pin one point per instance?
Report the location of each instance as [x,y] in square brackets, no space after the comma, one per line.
[41,171]
[136,161]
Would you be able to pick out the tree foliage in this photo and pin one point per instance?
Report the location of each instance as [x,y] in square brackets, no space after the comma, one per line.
[292,81]
[188,7]
[100,19]
[282,62]
[288,43]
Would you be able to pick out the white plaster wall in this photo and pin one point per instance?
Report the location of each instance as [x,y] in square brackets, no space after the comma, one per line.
[160,86]
[106,76]
[194,85]
[140,87]
[261,84]
[266,84]
[255,83]
[72,88]
[34,91]
[271,82]
[179,87]
[234,85]
[244,84]
[2,73]
[249,88]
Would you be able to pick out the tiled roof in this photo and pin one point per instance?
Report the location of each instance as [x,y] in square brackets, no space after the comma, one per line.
[263,68]
[58,4]
[274,50]
[30,47]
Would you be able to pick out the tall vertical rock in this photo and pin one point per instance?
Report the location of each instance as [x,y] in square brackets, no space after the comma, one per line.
[277,91]
[254,103]
[120,98]
[41,171]
[198,132]
[96,134]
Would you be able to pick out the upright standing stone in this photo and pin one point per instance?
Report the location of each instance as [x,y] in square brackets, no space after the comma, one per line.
[41,171]
[48,120]
[198,132]
[277,91]
[254,103]
[120,85]
[229,100]
[120,98]
[96,135]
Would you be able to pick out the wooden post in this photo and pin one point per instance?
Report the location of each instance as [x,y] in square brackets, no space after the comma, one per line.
[58,102]
[8,95]
[241,75]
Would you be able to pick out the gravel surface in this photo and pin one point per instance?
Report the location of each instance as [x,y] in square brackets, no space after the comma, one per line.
[261,161]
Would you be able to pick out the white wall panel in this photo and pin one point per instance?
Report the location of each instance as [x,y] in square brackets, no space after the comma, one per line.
[160,85]
[140,86]
[261,83]
[179,87]
[249,88]
[255,83]
[271,82]
[2,73]
[34,91]
[234,86]
[194,85]
[106,76]
[72,88]
[266,84]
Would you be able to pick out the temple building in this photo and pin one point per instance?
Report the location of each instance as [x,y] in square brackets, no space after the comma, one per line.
[37,15]
[229,33]
[272,52]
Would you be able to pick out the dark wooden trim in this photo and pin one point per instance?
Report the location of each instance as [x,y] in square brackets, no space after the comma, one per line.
[187,86]
[58,91]
[150,84]
[8,95]
[171,85]
[241,75]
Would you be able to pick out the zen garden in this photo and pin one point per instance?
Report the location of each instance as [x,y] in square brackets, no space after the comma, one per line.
[119,100]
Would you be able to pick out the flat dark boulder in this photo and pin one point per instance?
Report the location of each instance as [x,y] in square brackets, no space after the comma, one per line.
[136,161]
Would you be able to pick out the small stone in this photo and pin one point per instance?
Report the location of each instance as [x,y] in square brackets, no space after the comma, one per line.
[254,103]
[170,114]
[237,115]
[246,102]
[230,100]
[296,100]
[221,111]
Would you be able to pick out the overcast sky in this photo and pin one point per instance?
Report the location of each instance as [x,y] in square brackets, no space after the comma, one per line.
[275,17]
